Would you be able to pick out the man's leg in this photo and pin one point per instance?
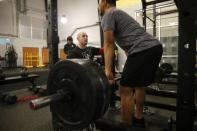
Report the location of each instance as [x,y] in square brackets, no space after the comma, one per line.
[139,99]
[127,104]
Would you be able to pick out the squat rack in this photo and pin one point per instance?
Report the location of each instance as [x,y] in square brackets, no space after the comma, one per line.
[186,54]
[185,112]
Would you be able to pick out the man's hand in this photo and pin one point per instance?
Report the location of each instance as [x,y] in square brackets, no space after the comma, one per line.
[110,76]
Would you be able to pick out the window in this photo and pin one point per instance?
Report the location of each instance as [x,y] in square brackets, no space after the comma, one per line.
[32,27]
[166,31]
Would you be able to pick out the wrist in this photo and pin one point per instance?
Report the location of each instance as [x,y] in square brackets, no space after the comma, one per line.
[107,69]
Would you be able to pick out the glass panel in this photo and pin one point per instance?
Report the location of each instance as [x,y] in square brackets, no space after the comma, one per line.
[44,34]
[168,8]
[170,19]
[25,20]
[36,34]
[169,31]
[150,31]
[25,32]
[170,50]
[139,18]
[170,45]
[171,60]
[149,19]
[37,23]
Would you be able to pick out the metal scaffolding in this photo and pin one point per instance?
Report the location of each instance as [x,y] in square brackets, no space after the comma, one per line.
[185,111]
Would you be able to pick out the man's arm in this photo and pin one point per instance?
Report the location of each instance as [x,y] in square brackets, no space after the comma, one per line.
[65,49]
[108,52]
[72,54]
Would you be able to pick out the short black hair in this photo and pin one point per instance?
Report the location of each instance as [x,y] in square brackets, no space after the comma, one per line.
[113,2]
[69,38]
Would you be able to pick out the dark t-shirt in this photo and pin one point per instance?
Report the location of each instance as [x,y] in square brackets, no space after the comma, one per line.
[68,47]
[87,53]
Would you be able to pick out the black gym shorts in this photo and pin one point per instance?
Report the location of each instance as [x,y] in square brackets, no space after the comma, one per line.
[140,68]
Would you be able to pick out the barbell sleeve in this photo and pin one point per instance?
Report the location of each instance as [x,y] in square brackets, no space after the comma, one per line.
[45,101]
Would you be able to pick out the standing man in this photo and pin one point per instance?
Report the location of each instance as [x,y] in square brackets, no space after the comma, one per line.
[143,56]
[69,46]
[81,50]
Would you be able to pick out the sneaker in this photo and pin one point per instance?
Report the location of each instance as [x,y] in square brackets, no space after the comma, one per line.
[138,122]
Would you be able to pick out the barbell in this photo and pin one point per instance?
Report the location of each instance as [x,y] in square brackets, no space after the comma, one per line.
[78,93]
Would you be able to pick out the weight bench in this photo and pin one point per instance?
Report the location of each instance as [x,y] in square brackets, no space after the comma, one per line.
[17,79]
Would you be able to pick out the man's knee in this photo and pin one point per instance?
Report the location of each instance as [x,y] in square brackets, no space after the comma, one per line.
[126,91]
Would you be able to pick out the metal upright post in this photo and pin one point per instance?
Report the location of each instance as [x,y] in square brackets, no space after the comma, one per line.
[186,65]
[154,20]
[101,31]
[196,23]
[53,41]
[144,13]
[52,32]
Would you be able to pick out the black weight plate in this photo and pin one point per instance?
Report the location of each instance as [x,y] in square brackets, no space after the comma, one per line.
[87,89]
[100,82]
[167,68]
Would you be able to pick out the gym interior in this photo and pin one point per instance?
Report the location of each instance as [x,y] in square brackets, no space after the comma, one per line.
[33,34]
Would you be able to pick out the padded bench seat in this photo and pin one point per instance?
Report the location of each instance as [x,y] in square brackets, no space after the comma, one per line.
[16,79]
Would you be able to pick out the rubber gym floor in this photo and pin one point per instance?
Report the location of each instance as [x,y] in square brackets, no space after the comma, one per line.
[19,117]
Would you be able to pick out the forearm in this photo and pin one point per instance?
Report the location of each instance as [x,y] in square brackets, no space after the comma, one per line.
[108,55]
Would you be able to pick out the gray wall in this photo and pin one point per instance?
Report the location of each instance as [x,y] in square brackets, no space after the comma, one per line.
[23,28]
[8,21]
[80,13]
[28,29]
